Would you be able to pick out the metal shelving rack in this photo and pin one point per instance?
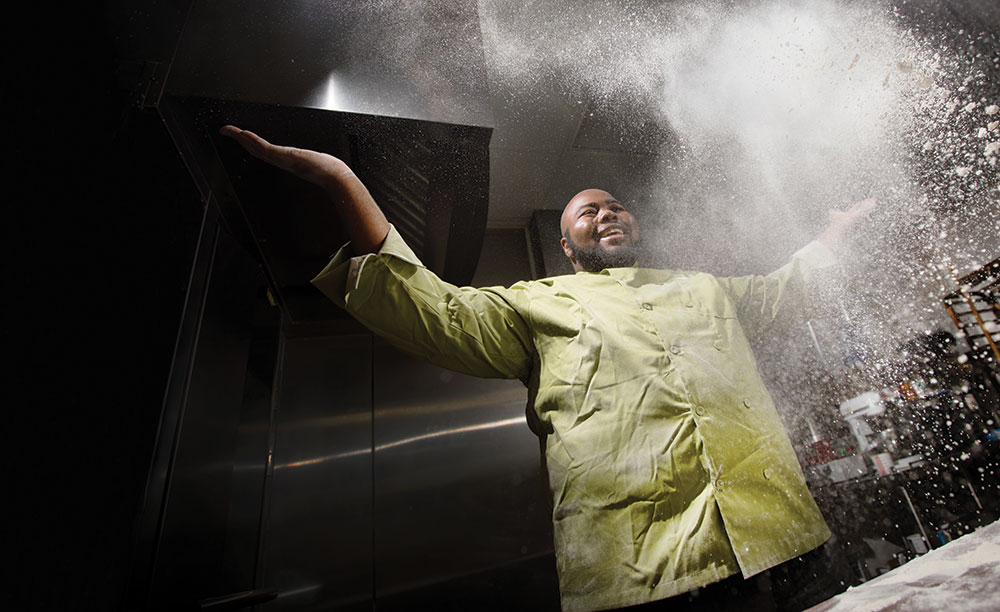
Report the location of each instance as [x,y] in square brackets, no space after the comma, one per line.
[975,309]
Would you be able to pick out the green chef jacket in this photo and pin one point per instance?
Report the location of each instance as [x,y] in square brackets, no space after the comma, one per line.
[668,464]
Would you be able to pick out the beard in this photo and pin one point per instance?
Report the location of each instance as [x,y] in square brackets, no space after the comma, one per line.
[599,258]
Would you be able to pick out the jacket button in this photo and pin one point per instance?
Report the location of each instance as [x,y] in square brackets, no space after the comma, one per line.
[717,345]
[647,306]
[699,410]
[767,473]
[746,403]
[718,484]
[676,350]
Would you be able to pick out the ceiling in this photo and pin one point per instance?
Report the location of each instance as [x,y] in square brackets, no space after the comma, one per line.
[563,84]
[444,61]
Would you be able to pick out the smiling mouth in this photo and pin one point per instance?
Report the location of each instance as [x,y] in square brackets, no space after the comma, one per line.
[608,233]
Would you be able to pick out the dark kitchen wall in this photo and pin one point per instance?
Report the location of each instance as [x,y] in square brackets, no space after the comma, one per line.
[101,221]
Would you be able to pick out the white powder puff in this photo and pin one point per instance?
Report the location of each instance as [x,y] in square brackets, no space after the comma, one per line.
[992,109]
[928,146]
[992,125]
[992,148]
[971,106]
[981,133]
[963,170]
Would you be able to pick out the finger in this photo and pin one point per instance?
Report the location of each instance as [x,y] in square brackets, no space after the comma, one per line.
[864,206]
[254,144]
[244,137]
[251,141]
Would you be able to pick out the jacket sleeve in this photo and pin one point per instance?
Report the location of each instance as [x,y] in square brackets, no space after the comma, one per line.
[779,300]
[473,331]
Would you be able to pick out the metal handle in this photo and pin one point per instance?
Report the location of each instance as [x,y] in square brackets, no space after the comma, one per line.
[237,601]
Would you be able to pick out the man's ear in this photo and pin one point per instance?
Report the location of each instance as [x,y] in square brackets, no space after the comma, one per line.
[566,249]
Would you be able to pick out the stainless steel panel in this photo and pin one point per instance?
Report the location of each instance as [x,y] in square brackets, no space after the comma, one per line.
[317,550]
[381,59]
[148,530]
[192,479]
[458,487]
[251,452]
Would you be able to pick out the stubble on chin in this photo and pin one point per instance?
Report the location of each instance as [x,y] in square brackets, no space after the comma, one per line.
[600,258]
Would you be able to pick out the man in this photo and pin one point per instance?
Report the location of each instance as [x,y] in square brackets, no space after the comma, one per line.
[668,465]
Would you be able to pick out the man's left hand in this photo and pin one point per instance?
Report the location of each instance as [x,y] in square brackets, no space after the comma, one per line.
[843,221]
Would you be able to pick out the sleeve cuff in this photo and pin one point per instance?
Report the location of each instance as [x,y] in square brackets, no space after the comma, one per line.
[341,276]
[816,255]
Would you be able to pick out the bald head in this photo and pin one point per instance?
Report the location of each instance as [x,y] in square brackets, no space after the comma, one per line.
[597,232]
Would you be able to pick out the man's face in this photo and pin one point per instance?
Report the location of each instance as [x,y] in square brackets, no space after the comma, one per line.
[598,232]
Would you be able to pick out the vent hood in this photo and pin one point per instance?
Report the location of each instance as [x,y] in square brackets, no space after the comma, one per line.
[362,84]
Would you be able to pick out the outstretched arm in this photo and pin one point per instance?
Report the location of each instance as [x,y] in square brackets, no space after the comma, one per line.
[366,226]
[843,221]
[476,331]
[779,299]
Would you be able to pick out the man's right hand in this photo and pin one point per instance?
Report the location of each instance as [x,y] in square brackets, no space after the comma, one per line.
[315,167]
[364,221]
